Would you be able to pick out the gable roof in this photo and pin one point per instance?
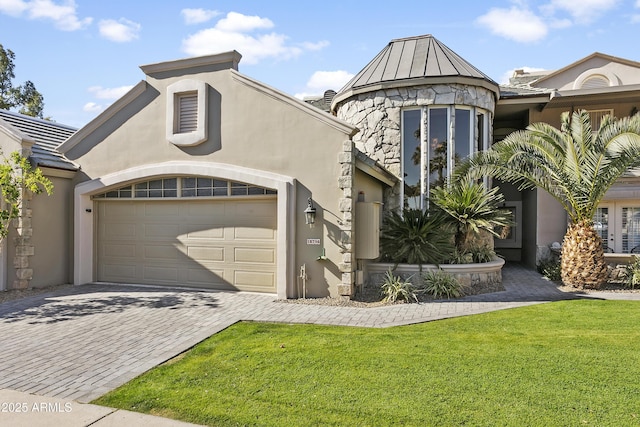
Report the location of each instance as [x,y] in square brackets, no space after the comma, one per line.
[606,57]
[413,61]
[46,135]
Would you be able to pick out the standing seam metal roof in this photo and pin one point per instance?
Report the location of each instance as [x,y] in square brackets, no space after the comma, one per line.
[47,136]
[414,57]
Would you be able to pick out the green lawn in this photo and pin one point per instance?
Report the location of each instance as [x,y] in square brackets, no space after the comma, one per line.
[566,363]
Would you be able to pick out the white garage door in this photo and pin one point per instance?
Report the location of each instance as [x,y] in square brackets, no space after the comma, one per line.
[221,244]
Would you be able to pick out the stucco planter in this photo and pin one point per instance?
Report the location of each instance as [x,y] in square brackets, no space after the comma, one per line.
[469,275]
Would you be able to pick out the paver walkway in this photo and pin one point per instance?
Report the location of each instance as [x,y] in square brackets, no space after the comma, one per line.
[78,343]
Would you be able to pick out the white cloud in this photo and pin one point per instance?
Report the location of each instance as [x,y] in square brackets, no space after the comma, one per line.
[323,80]
[198,16]
[315,46]
[245,34]
[583,11]
[109,93]
[64,16]
[517,24]
[92,107]
[13,7]
[237,22]
[120,31]
[320,81]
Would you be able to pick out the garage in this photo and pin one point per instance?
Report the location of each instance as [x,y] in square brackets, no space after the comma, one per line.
[224,243]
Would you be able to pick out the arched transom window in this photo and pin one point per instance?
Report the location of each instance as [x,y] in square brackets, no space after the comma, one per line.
[186,186]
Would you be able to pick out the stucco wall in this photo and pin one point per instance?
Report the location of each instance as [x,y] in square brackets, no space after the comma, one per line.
[251,126]
[51,221]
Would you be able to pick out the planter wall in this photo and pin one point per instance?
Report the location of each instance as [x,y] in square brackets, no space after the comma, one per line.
[470,275]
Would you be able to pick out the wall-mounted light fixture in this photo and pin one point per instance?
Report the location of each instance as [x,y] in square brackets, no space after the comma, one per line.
[310,212]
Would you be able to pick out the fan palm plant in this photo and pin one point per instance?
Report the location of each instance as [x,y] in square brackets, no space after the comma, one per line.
[470,209]
[576,166]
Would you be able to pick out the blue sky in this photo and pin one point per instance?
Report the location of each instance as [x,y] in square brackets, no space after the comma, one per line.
[82,55]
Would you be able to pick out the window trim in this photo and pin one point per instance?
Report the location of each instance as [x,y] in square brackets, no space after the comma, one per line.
[595,72]
[174,92]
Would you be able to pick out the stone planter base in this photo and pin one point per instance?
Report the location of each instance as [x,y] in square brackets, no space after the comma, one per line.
[469,275]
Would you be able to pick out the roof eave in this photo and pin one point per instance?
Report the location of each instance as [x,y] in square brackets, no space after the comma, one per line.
[232,57]
[421,81]
[16,134]
[103,117]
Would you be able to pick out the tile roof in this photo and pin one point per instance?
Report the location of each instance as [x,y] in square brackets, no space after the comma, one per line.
[47,136]
[522,90]
[415,58]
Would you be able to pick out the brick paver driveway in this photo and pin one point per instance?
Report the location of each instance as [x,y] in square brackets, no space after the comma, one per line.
[80,342]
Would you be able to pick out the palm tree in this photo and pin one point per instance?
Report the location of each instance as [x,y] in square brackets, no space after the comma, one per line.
[471,209]
[576,167]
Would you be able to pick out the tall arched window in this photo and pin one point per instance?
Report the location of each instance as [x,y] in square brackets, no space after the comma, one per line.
[434,139]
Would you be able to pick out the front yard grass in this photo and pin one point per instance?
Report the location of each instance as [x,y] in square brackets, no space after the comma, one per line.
[564,363]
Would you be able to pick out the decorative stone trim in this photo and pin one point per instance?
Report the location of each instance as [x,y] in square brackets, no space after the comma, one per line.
[23,244]
[345,206]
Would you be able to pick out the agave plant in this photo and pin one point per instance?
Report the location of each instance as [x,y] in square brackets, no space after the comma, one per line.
[416,237]
[471,208]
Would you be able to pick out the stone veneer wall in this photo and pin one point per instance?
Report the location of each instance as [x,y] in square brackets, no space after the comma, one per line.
[378,116]
[345,181]
[23,244]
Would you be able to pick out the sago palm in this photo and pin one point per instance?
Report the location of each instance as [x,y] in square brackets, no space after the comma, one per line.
[470,208]
[576,166]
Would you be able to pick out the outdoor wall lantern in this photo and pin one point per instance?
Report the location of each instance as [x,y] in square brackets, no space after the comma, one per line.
[310,212]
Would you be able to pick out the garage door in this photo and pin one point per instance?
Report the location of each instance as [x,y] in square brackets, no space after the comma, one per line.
[221,244]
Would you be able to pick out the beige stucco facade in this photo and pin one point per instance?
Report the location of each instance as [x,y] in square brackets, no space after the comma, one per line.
[255,135]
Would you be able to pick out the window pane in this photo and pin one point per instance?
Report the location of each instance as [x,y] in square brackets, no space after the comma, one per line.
[437,146]
[170,183]
[188,183]
[125,192]
[256,190]
[203,192]
[155,185]
[601,225]
[188,192]
[630,229]
[204,182]
[411,159]
[481,136]
[170,193]
[463,136]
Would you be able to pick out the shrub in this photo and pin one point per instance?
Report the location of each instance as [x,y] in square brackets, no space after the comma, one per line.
[415,237]
[476,254]
[439,283]
[631,274]
[394,288]
[550,269]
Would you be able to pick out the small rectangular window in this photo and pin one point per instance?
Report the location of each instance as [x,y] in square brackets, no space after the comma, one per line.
[596,117]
